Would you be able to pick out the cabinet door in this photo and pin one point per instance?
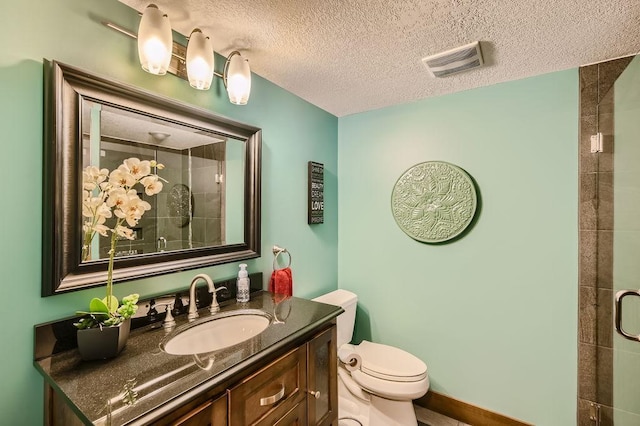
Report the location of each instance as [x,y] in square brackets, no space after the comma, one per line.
[322,395]
[211,413]
[57,412]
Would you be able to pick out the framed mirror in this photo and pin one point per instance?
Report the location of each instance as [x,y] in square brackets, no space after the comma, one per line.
[205,211]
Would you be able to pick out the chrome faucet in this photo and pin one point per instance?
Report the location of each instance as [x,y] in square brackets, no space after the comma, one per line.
[193,308]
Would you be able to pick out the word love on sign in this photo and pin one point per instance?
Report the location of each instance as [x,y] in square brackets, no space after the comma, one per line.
[316,193]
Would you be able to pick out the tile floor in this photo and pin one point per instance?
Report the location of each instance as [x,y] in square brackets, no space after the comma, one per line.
[431,418]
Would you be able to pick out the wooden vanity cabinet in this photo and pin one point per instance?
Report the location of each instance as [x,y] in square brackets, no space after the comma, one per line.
[297,388]
[300,387]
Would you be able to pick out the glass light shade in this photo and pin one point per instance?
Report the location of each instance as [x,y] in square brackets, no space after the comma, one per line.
[238,80]
[155,41]
[199,60]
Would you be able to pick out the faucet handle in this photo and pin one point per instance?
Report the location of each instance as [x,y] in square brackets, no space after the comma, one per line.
[169,322]
[179,306]
[215,307]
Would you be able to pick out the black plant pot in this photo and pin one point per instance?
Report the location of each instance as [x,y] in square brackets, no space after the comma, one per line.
[103,343]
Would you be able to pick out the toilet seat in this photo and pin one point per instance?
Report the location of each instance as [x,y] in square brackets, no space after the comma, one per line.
[399,391]
[389,363]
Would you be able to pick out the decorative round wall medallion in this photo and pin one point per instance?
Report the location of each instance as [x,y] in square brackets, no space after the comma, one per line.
[433,201]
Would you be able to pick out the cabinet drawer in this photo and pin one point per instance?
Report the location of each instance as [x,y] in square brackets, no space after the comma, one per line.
[272,392]
[297,416]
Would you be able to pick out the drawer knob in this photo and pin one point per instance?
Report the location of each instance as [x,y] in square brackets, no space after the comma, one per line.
[270,400]
[315,394]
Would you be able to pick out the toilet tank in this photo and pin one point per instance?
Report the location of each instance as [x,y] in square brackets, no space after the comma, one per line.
[346,320]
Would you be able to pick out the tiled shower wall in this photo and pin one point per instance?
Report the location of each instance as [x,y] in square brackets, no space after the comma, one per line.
[595,332]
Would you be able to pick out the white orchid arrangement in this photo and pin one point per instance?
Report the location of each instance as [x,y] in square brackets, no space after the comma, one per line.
[105,195]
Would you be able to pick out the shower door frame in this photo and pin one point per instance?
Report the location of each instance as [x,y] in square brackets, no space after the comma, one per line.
[596,289]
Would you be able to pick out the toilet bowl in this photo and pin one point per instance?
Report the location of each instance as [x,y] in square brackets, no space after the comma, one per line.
[376,383]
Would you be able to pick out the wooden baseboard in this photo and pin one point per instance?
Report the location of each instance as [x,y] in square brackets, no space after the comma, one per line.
[465,412]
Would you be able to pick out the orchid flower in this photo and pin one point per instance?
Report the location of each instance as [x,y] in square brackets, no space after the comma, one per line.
[122,177]
[125,232]
[152,185]
[105,195]
[138,169]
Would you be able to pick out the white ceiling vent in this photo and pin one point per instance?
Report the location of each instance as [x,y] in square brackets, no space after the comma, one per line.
[455,60]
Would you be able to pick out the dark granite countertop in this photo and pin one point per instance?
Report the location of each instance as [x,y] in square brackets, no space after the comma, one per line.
[102,391]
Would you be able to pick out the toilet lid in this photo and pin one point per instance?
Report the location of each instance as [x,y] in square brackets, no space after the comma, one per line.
[390,363]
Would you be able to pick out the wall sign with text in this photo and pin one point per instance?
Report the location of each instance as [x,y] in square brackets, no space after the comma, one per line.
[316,193]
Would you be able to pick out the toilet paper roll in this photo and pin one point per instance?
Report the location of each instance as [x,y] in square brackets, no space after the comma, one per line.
[351,360]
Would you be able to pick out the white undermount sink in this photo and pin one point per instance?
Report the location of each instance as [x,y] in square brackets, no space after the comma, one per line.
[217,332]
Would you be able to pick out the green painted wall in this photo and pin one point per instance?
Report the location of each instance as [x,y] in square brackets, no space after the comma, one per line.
[294,132]
[493,314]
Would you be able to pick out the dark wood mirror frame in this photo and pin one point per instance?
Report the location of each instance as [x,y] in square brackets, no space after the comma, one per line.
[63,271]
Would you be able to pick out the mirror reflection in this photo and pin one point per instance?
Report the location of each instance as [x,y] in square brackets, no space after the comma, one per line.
[203,207]
[200,203]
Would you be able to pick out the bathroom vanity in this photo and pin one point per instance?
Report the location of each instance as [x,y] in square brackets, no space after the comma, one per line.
[284,376]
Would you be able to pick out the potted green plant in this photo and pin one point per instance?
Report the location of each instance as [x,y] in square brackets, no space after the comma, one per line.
[110,207]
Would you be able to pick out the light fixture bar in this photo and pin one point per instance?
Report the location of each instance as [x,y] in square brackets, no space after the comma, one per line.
[120,29]
[178,65]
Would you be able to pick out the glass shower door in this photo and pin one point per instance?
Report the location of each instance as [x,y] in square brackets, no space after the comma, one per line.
[625,145]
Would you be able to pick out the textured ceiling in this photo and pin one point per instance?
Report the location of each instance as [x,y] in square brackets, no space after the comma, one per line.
[349,56]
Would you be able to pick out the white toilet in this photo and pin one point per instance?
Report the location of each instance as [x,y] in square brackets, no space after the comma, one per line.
[379,388]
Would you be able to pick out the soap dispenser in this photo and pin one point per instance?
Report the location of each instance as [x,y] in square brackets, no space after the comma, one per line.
[242,286]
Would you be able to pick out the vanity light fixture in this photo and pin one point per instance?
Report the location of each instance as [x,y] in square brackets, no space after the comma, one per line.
[154,41]
[199,60]
[194,63]
[237,78]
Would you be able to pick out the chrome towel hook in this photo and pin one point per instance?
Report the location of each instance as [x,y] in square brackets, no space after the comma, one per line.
[276,252]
